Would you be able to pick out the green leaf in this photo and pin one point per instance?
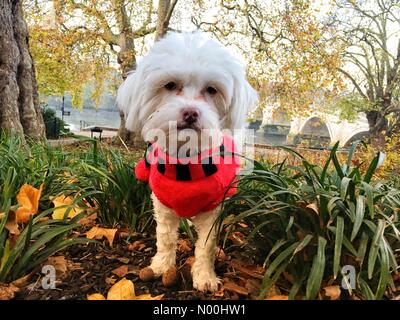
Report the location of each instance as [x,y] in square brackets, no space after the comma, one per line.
[344,186]
[338,245]
[372,168]
[370,198]
[359,217]
[317,271]
[373,253]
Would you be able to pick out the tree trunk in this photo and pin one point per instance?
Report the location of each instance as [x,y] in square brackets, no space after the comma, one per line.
[378,124]
[127,62]
[19,104]
[127,59]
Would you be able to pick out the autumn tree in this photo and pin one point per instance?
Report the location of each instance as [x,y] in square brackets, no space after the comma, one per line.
[90,35]
[19,104]
[371,31]
[292,60]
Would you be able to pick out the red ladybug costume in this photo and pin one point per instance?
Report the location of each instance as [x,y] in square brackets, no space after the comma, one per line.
[191,185]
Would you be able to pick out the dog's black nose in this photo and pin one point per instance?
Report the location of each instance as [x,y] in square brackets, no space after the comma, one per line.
[190,116]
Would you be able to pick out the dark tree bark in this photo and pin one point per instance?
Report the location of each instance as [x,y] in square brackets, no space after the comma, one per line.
[19,104]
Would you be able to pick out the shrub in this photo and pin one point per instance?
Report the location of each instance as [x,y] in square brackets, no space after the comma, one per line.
[54,125]
[100,178]
[41,237]
[306,222]
[119,197]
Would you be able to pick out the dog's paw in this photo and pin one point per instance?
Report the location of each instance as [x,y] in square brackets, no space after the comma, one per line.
[161,264]
[206,281]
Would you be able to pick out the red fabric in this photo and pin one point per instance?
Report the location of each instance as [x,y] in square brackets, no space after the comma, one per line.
[202,193]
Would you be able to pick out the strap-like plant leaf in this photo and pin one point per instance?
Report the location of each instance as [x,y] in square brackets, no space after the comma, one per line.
[366,290]
[358,217]
[384,271]
[338,245]
[317,271]
[372,168]
[373,253]
[362,248]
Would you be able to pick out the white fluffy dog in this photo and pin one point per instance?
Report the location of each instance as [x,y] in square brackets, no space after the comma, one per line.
[197,85]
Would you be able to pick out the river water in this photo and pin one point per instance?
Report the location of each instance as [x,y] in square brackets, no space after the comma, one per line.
[89,116]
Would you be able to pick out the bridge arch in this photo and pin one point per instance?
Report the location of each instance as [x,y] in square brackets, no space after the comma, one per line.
[315,131]
[358,135]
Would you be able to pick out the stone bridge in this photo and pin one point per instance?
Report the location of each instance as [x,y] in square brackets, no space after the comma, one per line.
[318,130]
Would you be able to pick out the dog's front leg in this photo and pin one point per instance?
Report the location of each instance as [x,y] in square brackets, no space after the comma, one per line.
[203,274]
[167,236]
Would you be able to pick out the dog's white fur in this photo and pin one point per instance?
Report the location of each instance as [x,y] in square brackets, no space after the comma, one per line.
[193,62]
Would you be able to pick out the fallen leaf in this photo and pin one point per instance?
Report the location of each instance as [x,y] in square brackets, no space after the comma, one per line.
[149,297]
[136,245]
[7,291]
[332,292]
[2,215]
[98,233]
[59,263]
[121,271]
[63,202]
[12,224]
[125,290]
[122,290]
[233,287]
[22,281]
[96,296]
[28,200]
[280,297]
[88,221]
[250,271]
[184,246]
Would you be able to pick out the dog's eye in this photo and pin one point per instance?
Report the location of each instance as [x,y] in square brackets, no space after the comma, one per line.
[211,90]
[170,86]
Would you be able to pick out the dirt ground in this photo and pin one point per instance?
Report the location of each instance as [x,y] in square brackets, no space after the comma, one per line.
[89,269]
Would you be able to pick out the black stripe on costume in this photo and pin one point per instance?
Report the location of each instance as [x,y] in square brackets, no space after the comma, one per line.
[209,169]
[161,168]
[148,151]
[222,150]
[183,172]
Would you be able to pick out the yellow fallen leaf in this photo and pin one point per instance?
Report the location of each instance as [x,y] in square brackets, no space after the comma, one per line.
[7,291]
[149,297]
[98,233]
[280,297]
[96,296]
[333,292]
[28,200]
[122,290]
[63,201]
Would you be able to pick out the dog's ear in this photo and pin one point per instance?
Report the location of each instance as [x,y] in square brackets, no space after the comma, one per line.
[244,100]
[129,100]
